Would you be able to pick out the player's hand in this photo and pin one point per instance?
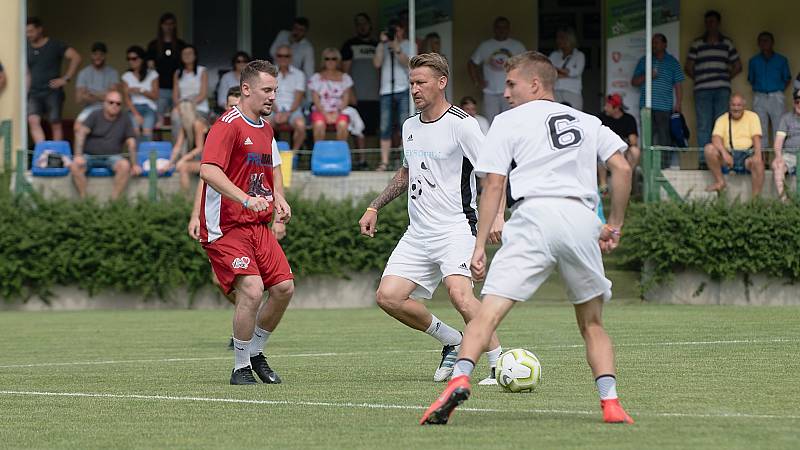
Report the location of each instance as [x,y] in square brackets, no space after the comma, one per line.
[282,209]
[56,83]
[496,232]
[609,239]
[194,228]
[257,204]
[279,230]
[478,264]
[367,223]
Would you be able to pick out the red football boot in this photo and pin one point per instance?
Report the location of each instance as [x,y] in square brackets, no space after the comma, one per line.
[456,393]
[613,412]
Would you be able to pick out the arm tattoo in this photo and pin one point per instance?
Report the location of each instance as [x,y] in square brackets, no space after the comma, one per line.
[397,186]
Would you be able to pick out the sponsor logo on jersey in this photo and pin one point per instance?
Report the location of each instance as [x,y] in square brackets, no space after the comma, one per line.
[410,138]
[248,141]
[241,263]
[259,159]
[463,266]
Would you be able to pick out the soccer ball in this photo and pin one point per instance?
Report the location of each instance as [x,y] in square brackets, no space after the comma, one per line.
[518,370]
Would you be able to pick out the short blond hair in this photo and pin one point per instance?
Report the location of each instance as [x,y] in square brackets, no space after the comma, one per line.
[435,61]
[330,51]
[534,63]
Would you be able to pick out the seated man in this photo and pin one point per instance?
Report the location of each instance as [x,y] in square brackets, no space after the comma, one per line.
[624,126]
[93,82]
[787,143]
[289,98]
[736,144]
[98,143]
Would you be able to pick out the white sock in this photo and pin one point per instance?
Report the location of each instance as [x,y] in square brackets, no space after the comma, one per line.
[494,355]
[607,386]
[463,367]
[443,332]
[241,353]
[260,337]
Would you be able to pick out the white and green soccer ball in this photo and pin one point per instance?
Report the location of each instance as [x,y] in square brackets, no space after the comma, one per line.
[518,370]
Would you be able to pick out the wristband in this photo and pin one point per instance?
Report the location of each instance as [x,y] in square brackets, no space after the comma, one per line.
[244,203]
[372,209]
[612,230]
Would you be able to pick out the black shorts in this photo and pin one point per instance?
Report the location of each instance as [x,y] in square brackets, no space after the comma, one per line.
[47,105]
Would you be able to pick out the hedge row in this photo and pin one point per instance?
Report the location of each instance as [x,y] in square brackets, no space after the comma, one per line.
[719,238]
[143,247]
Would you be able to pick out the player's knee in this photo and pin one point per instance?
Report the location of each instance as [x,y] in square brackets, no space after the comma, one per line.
[463,299]
[283,290]
[387,300]
[250,289]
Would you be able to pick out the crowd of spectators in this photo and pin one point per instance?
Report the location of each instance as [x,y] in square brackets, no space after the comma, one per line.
[362,88]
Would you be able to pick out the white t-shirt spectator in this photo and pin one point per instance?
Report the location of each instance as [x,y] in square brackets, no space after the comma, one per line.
[400,70]
[574,63]
[493,54]
[189,84]
[228,80]
[302,51]
[132,80]
[97,81]
[294,80]
[330,91]
[483,123]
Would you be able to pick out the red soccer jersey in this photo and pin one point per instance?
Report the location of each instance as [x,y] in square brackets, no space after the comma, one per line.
[244,151]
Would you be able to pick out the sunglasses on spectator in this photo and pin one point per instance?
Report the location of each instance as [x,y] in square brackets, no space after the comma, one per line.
[114,103]
[329,58]
[132,58]
[243,61]
[283,55]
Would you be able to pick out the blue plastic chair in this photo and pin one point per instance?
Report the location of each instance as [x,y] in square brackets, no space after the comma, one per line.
[331,158]
[283,146]
[59,147]
[163,151]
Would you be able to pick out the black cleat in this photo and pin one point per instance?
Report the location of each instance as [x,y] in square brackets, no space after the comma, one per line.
[243,376]
[262,369]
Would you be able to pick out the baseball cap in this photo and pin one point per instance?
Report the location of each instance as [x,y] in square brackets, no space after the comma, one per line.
[615,100]
[99,47]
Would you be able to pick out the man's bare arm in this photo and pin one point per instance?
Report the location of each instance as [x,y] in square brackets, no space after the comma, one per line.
[394,189]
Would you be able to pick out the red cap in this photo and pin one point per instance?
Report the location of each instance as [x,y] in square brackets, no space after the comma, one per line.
[615,100]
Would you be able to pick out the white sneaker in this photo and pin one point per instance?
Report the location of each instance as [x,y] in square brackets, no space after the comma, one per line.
[491,380]
[445,369]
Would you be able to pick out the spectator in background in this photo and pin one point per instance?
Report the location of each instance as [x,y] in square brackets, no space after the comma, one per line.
[231,78]
[769,75]
[470,106]
[712,62]
[302,49]
[667,92]
[190,83]
[98,143]
[357,55]
[492,55]
[330,88]
[140,86]
[45,82]
[624,125]
[94,81]
[289,97]
[797,82]
[391,57]
[787,144]
[3,80]
[736,144]
[569,63]
[164,55]
[188,148]
[432,43]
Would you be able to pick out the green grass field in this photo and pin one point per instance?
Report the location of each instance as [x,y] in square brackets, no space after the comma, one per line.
[692,377]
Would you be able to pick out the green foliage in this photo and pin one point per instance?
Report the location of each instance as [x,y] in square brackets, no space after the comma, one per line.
[143,247]
[718,238]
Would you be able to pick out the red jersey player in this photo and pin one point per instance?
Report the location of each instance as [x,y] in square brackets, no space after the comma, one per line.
[237,207]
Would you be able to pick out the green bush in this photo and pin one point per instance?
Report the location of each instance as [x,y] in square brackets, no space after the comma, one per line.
[143,247]
[718,238]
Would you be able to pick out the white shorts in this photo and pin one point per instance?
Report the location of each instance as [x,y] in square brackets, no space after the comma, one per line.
[427,262]
[541,233]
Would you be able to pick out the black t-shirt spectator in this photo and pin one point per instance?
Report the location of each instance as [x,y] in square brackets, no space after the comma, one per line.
[44,64]
[167,59]
[107,137]
[624,126]
[366,80]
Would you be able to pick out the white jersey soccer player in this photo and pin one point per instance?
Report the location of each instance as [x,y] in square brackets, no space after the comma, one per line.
[440,146]
[549,152]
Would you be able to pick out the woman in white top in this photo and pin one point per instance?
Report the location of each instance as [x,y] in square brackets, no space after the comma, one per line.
[140,86]
[330,91]
[190,82]
[569,62]
[231,78]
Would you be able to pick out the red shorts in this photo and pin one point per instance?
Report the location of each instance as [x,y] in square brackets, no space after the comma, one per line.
[248,250]
[317,116]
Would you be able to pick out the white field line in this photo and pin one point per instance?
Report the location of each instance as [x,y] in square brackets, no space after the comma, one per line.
[379,405]
[385,352]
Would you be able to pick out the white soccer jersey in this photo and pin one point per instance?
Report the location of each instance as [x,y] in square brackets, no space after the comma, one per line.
[440,156]
[550,149]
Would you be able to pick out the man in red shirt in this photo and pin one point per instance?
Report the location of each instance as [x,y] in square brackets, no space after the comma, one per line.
[237,207]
